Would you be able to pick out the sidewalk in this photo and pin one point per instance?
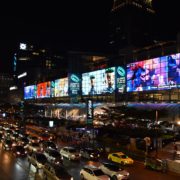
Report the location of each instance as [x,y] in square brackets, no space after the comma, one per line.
[166,152]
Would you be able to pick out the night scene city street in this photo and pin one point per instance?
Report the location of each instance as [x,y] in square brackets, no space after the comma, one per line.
[90,90]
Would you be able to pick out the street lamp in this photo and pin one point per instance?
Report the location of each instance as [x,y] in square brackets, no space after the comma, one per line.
[156,134]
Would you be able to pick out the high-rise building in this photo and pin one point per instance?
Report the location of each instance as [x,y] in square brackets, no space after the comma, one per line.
[131,24]
[39,63]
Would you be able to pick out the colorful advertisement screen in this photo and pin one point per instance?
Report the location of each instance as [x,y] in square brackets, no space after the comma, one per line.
[74,84]
[98,82]
[61,87]
[30,92]
[44,90]
[121,79]
[154,74]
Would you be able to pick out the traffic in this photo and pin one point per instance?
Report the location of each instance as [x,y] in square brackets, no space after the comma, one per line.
[47,159]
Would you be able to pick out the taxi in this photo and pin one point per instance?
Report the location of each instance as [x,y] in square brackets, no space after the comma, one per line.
[121,158]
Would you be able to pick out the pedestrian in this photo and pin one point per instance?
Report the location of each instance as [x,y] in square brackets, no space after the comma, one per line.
[175,151]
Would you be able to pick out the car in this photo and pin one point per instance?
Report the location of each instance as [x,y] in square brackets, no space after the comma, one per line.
[70,152]
[1,136]
[48,145]
[23,141]
[33,139]
[114,171]
[52,171]
[37,159]
[155,164]
[93,173]
[33,147]
[90,153]
[7,144]
[53,156]
[14,136]
[121,158]
[19,151]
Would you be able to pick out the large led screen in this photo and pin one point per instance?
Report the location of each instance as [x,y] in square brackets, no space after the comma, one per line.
[74,84]
[98,82]
[154,74]
[61,87]
[44,90]
[30,92]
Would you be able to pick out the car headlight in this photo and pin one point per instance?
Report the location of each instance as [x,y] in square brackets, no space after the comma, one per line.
[119,175]
[91,155]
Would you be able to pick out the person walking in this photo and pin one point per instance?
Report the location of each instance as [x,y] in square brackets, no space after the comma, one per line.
[175,151]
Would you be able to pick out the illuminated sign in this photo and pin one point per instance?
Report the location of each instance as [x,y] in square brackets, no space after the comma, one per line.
[61,87]
[44,90]
[121,79]
[90,111]
[52,89]
[154,74]
[22,75]
[23,46]
[30,92]
[98,82]
[13,88]
[74,84]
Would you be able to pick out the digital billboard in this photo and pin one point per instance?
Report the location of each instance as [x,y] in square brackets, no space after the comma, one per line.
[44,90]
[74,84]
[61,87]
[52,89]
[30,92]
[98,82]
[120,79]
[154,74]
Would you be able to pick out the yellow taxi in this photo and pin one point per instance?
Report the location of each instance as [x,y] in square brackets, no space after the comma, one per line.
[121,158]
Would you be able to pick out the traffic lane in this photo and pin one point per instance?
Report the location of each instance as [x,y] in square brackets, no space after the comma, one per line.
[74,167]
[13,168]
[139,172]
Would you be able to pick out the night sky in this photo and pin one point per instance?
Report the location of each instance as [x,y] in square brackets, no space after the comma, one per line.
[72,25]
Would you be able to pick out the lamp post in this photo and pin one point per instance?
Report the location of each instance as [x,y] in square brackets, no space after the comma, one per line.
[156,134]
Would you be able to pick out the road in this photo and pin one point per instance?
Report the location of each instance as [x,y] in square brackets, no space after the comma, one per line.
[12,168]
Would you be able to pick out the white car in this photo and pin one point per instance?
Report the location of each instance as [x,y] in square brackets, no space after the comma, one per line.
[70,153]
[93,173]
[114,171]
